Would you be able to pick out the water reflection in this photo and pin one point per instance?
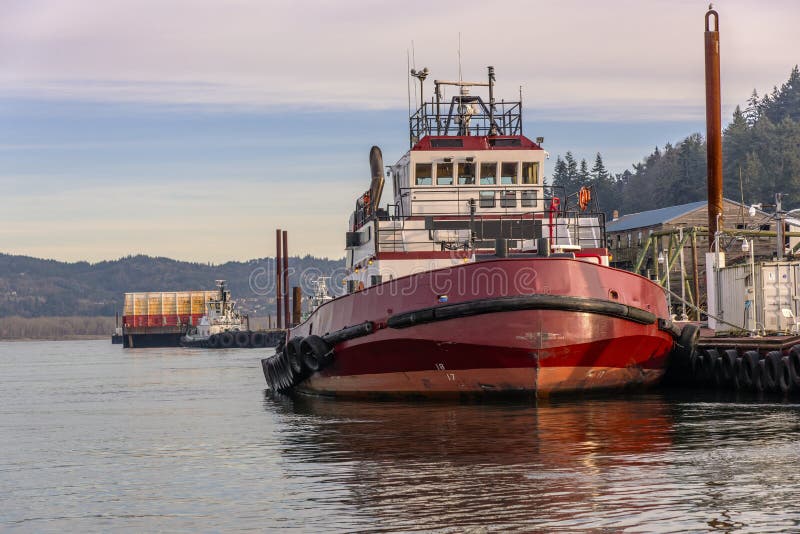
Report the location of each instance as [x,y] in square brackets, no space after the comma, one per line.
[495,465]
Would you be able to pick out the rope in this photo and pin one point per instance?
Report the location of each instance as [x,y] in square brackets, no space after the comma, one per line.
[699,310]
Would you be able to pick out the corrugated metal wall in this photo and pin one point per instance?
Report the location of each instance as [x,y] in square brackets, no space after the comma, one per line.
[775,299]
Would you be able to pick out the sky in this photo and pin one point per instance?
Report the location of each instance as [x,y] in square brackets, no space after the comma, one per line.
[192,129]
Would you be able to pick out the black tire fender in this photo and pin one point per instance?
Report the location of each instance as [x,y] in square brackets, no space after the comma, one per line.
[773,367]
[749,370]
[316,353]
[729,365]
[794,365]
[687,341]
[294,355]
[226,340]
[242,339]
[285,375]
[785,381]
[213,341]
[257,339]
[718,372]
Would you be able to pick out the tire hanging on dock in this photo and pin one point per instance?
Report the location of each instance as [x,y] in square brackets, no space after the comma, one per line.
[794,366]
[716,372]
[785,382]
[773,369]
[750,372]
[680,368]
[728,359]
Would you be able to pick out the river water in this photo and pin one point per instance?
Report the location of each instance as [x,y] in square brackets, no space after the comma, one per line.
[94,438]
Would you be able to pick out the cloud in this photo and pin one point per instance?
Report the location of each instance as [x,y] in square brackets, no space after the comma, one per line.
[597,57]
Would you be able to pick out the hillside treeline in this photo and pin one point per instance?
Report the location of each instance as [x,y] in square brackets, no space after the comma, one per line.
[32,287]
[761,157]
[54,327]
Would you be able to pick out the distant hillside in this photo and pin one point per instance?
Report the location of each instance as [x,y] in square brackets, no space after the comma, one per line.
[32,287]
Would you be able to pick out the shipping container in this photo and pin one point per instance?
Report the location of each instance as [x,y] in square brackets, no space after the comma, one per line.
[165,308]
[770,304]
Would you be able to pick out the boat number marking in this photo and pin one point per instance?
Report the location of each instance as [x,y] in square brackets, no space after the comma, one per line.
[451,377]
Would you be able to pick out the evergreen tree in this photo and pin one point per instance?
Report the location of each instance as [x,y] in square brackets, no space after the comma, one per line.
[761,150]
[560,177]
[753,110]
[583,174]
[599,172]
[572,171]
[735,145]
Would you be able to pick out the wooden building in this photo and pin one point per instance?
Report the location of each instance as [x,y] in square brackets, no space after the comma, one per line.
[650,238]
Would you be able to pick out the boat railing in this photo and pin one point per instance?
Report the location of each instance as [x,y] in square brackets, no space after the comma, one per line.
[495,199]
[443,232]
[466,116]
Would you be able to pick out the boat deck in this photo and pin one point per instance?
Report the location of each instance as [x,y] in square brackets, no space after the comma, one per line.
[742,343]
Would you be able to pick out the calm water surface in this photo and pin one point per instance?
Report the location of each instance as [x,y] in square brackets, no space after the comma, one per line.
[94,438]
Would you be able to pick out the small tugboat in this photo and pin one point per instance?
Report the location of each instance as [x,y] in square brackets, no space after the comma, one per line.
[320,295]
[221,326]
[477,278]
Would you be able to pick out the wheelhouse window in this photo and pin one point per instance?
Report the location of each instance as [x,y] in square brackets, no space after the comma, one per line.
[530,172]
[486,199]
[530,198]
[424,174]
[444,174]
[488,173]
[508,173]
[508,199]
[466,173]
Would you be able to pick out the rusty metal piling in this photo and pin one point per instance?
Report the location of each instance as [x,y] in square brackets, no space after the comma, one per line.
[713,126]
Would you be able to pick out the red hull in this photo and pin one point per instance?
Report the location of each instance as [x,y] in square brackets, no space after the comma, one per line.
[531,351]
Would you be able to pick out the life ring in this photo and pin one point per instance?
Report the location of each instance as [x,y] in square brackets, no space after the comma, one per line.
[584,197]
[242,339]
[226,340]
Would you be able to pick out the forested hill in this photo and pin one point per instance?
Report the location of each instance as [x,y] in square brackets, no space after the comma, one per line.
[32,287]
[761,157]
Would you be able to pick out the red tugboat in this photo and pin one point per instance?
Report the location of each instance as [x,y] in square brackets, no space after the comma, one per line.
[477,279]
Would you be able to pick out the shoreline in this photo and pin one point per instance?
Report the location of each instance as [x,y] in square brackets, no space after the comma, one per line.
[77,337]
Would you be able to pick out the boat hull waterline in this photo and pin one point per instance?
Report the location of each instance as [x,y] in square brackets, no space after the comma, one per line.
[533,326]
